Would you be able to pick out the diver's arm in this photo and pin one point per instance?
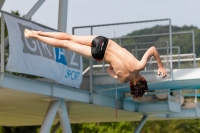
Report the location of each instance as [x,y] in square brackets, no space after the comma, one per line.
[149,53]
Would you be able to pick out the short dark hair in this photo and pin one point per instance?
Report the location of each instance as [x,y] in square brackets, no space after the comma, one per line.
[139,88]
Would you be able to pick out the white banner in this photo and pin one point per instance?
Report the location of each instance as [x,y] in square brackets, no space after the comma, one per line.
[33,57]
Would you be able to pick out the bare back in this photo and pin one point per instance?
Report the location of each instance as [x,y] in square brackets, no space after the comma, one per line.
[122,61]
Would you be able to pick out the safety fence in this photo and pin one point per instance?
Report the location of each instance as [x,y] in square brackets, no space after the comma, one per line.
[136,37]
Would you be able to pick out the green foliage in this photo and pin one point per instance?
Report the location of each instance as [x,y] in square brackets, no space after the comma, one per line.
[114,127]
[182,40]
[165,126]
[26,129]
[15,13]
[189,126]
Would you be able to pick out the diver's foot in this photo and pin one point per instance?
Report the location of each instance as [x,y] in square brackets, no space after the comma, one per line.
[28,33]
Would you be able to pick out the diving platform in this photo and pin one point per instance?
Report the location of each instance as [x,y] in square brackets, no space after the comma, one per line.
[25,101]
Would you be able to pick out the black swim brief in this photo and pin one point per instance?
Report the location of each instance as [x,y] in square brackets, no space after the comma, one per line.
[98,49]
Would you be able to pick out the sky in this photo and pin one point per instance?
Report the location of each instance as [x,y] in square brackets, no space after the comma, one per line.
[92,12]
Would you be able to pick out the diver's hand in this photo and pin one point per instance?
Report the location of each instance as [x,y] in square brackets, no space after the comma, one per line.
[162,71]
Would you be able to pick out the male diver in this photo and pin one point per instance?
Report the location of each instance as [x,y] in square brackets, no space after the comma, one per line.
[123,65]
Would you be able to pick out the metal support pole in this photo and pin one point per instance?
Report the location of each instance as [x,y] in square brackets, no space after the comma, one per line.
[62,15]
[170,42]
[180,97]
[116,100]
[103,67]
[2,42]
[50,115]
[141,124]
[91,75]
[196,98]
[34,9]
[168,94]
[91,79]
[167,64]
[136,54]
[120,41]
[193,45]
[64,119]
[1,3]
[179,57]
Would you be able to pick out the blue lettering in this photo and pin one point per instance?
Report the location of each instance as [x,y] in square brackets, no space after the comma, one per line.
[60,56]
[73,75]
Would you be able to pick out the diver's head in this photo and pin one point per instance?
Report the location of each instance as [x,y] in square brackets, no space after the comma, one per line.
[138,86]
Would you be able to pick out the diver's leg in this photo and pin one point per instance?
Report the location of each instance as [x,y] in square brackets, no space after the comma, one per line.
[84,40]
[66,44]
